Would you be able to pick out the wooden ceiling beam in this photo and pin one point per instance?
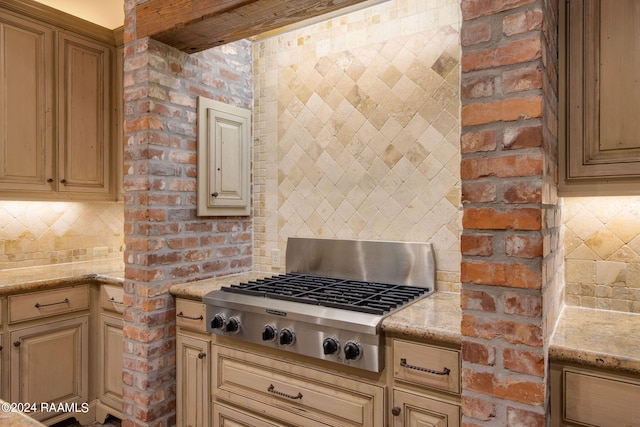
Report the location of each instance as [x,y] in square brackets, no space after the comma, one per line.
[196,25]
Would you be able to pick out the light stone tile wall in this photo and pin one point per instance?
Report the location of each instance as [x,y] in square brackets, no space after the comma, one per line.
[45,233]
[602,252]
[357,131]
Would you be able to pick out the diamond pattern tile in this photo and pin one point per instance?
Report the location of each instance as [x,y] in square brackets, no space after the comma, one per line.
[367,128]
[602,235]
[44,233]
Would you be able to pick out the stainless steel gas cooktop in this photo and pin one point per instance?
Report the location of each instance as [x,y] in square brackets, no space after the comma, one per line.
[330,303]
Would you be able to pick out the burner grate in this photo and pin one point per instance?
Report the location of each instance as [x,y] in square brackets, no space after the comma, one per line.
[361,296]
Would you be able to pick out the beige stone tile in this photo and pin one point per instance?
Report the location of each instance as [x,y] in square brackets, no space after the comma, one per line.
[604,304]
[603,291]
[580,271]
[604,243]
[368,154]
[621,304]
[583,223]
[583,252]
[610,273]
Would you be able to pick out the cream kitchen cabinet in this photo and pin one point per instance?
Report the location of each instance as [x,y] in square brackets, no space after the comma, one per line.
[109,352]
[224,136]
[3,351]
[63,346]
[26,104]
[49,364]
[193,365]
[84,116]
[56,67]
[276,391]
[593,397]
[426,385]
[599,130]
[49,348]
[225,416]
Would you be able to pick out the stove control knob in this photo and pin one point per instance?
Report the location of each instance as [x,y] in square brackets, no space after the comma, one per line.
[330,346]
[233,325]
[352,351]
[287,337]
[268,333]
[217,322]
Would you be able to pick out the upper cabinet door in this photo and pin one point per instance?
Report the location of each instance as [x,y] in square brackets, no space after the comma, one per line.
[26,97]
[602,96]
[223,159]
[84,75]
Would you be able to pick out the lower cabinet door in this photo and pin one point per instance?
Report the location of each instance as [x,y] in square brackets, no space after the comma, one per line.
[599,399]
[414,410]
[192,379]
[295,393]
[49,366]
[224,416]
[110,366]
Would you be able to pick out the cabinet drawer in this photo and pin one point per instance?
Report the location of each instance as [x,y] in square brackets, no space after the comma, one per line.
[426,365]
[111,298]
[225,416]
[603,401]
[48,303]
[191,315]
[420,410]
[294,393]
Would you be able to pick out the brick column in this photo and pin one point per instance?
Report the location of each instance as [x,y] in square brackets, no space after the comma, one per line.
[166,243]
[511,262]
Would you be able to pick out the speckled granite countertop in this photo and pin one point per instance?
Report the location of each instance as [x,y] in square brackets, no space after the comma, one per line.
[30,279]
[593,338]
[597,338]
[196,290]
[17,419]
[436,317]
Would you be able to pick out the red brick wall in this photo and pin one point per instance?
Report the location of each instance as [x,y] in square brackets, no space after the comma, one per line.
[510,242]
[165,242]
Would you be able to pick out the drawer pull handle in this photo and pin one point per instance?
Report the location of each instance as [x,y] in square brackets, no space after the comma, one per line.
[113,300]
[184,316]
[273,390]
[64,301]
[404,364]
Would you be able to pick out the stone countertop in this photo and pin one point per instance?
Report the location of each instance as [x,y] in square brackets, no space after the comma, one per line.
[17,419]
[196,290]
[597,338]
[19,280]
[436,317]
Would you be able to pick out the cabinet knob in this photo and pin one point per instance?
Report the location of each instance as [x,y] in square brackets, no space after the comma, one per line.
[215,194]
[201,355]
[395,411]
[64,181]
[50,180]
[16,343]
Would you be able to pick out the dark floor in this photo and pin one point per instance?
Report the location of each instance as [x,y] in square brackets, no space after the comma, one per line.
[109,422]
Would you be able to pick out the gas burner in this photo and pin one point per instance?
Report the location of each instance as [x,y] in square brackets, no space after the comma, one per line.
[330,303]
[355,295]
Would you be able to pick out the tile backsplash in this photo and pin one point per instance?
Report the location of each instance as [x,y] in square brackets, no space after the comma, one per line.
[602,252]
[357,131]
[45,233]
